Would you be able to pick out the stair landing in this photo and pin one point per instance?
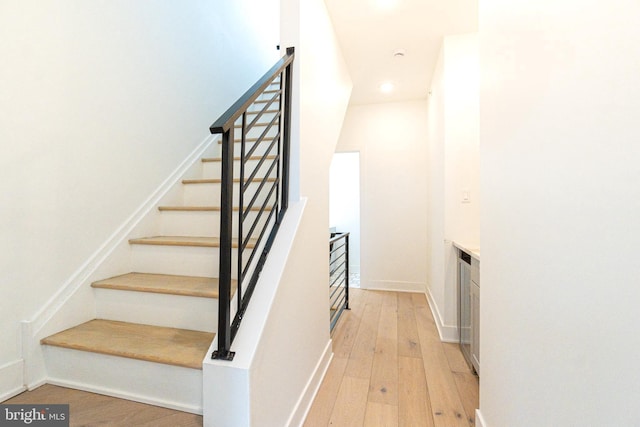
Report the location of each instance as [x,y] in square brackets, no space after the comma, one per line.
[179,347]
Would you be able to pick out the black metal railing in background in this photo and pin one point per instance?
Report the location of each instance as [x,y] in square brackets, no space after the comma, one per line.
[338,276]
[262,120]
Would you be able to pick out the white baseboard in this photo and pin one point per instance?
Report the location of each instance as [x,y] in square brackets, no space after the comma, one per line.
[479,420]
[11,379]
[305,401]
[447,333]
[35,385]
[391,285]
[126,396]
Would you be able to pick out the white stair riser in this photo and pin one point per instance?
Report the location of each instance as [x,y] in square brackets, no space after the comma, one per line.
[154,383]
[258,107]
[265,118]
[214,169]
[177,260]
[209,194]
[258,129]
[180,260]
[200,223]
[263,148]
[174,311]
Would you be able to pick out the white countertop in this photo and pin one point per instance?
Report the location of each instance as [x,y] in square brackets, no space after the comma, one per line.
[471,250]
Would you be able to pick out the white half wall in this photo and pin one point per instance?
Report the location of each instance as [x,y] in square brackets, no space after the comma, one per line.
[101,101]
[392,141]
[295,347]
[454,172]
[560,102]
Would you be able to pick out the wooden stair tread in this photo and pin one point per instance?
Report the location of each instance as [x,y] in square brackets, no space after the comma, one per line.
[216,180]
[198,241]
[203,208]
[179,347]
[219,159]
[206,287]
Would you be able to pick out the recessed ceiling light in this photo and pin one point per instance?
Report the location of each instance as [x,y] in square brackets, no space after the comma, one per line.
[386,87]
[399,53]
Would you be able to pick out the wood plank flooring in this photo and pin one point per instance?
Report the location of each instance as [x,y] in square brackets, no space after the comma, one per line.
[90,409]
[391,369]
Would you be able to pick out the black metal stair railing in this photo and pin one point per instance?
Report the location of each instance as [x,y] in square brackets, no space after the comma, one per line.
[256,182]
[338,276]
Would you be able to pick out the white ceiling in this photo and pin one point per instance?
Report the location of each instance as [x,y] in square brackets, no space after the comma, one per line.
[370,31]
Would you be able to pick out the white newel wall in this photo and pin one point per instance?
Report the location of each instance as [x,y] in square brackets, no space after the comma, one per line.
[560,102]
[392,141]
[101,102]
[454,169]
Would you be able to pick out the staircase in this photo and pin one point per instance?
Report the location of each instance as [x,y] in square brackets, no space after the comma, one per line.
[154,325]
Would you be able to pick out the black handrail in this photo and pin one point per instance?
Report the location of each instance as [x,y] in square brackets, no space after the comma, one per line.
[269,181]
[338,276]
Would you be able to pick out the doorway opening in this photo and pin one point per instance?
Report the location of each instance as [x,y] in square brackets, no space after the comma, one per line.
[344,206]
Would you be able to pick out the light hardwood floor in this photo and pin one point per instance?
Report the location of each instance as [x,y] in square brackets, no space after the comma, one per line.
[391,369]
[89,409]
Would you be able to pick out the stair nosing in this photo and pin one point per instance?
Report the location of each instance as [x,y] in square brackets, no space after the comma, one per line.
[219,159]
[215,180]
[203,209]
[188,241]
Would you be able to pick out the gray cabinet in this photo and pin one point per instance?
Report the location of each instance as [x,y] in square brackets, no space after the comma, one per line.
[475,314]
[469,308]
[475,326]
[464,304]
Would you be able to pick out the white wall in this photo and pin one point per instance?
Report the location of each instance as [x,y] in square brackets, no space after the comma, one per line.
[454,169]
[344,201]
[435,261]
[100,103]
[462,142]
[560,101]
[392,141]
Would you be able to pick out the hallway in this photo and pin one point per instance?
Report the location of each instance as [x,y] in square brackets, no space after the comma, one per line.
[391,369]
